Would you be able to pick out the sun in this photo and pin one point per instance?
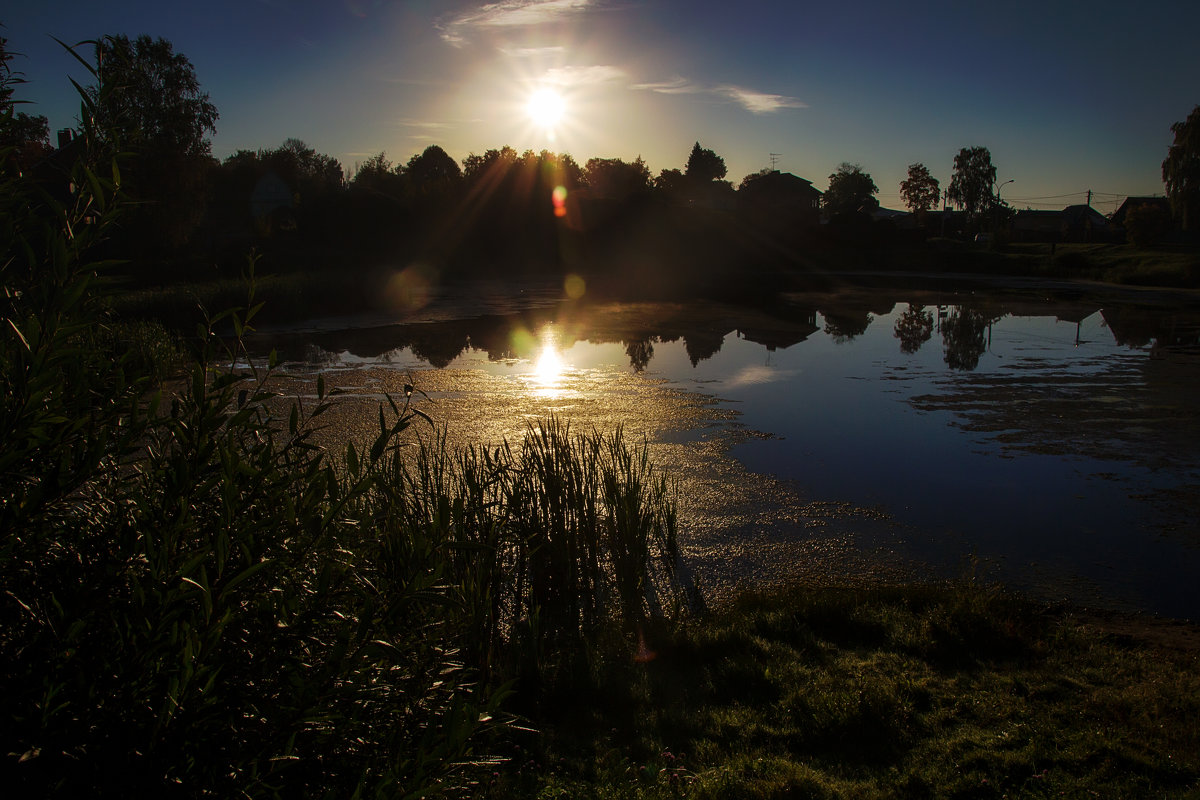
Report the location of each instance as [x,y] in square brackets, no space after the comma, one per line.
[546,108]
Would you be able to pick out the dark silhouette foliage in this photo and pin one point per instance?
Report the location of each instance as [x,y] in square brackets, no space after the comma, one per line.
[851,191]
[614,179]
[920,190]
[704,166]
[433,171]
[25,136]
[147,102]
[973,179]
[1181,170]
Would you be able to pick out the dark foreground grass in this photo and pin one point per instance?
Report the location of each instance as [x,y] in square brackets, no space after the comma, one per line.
[914,692]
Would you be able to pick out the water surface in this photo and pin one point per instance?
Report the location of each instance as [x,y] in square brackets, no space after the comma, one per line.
[1052,445]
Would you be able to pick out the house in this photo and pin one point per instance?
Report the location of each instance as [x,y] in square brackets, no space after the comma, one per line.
[1078,223]
[780,198]
[1118,217]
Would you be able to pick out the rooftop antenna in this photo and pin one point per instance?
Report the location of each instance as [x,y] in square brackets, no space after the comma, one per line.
[774,160]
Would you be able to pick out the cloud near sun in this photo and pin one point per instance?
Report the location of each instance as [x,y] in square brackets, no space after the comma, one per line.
[527,13]
[752,101]
[508,13]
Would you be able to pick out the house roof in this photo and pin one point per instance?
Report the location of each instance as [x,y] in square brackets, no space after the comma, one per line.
[1118,216]
[1045,220]
[781,182]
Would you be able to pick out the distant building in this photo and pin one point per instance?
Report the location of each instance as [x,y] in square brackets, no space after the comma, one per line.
[1078,223]
[781,198]
[1118,217]
[901,219]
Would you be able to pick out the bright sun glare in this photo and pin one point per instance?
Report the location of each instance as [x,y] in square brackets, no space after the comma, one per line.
[549,368]
[546,108]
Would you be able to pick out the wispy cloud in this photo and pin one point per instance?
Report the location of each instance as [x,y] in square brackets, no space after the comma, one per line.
[423,124]
[753,101]
[532,52]
[507,13]
[580,76]
[759,102]
[674,86]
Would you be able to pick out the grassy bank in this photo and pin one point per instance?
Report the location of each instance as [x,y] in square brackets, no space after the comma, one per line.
[900,692]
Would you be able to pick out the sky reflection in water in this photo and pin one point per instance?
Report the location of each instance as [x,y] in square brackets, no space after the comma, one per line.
[1042,444]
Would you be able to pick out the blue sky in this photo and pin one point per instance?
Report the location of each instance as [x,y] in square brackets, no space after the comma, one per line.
[1067,96]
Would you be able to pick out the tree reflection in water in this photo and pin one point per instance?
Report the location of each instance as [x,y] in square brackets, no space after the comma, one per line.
[963,336]
[703,345]
[844,324]
[640,351]
[914,328]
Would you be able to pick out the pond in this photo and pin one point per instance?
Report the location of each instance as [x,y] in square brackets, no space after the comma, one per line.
[1050,444]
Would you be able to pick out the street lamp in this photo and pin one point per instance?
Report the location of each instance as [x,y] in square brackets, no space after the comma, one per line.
[1006,183]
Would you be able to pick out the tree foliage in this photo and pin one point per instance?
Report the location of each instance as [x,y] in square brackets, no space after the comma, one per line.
[614,179]
[748,180]
[304,168]
[704,166]
[154,104]
[27,135]
[850,191]
[147,102]
[920,190]
[973,179]
[433,170]
[1181,170]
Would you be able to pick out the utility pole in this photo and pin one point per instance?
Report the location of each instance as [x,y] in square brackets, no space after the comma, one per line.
[774,160]
[1089,202]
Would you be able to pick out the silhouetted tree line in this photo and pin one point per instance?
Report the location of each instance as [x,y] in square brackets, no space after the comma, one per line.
[193,215]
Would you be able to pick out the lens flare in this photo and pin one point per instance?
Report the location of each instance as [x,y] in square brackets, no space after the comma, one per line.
[409,289]
[559,198]
[574,286]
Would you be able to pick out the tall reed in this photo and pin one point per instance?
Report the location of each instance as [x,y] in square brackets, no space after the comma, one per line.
[556,538]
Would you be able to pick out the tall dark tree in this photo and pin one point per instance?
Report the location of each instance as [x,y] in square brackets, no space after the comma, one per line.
[920,190]
[971,186]
[1181,170]
[148,103]
[850,191]
[704,166]
[155,105]
[25,136]
[433,171]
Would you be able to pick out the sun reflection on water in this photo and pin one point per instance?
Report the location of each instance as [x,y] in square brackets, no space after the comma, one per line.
[550,370]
